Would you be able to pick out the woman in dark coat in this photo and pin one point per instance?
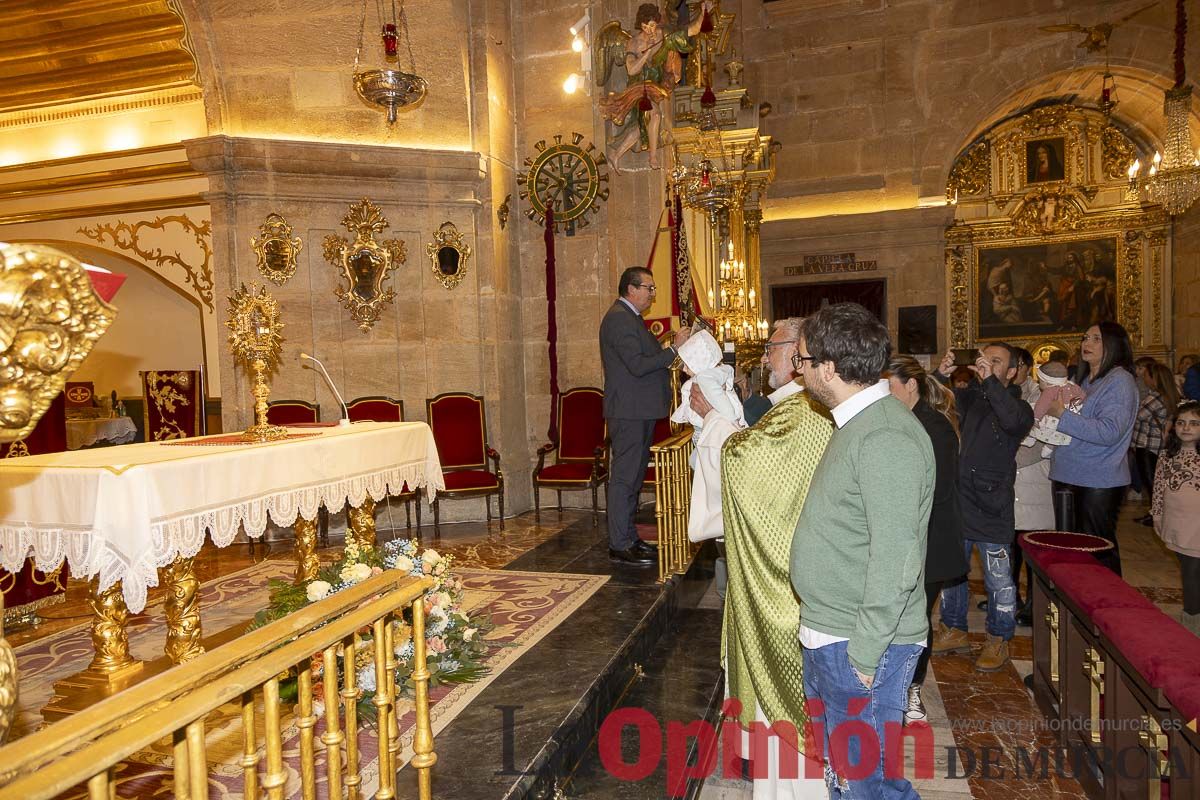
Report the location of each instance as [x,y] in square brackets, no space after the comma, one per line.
[933,405]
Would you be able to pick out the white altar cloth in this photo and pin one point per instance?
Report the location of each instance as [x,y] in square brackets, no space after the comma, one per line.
[123,512]
[87,432]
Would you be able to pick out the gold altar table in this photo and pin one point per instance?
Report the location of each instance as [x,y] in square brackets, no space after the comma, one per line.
[119,515]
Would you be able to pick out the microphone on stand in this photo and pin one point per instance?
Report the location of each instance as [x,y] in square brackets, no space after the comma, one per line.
[345,420]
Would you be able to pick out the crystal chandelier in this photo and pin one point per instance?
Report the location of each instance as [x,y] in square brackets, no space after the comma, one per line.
[389,89]
[1173,180]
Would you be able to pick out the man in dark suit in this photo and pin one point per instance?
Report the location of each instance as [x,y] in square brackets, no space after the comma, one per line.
[993,419]
[637,392]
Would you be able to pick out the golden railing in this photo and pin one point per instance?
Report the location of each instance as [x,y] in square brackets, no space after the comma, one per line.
[174,705]
[672,499]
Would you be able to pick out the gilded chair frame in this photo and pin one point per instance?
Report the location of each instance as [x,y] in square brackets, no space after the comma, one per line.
[412,495]
[489,453]
[598,460]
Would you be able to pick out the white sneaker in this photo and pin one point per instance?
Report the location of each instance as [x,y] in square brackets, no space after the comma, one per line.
[916,709]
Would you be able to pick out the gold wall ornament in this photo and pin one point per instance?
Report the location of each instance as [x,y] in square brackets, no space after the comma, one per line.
[1116,153]
[503,212]
[972,172]
[364,263]
[1045,211]
[276,249]
[8,680]
[449,253]
[255,340]
[128,237]
[1129,309]
[50,319]
[566,176]
[956,268]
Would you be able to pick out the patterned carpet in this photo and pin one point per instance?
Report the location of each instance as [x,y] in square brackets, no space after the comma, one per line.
[524,606]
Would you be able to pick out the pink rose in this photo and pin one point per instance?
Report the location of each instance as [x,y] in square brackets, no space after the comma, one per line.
[437,644]
[376,571]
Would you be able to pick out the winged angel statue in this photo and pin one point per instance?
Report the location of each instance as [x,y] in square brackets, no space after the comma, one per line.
[653,65]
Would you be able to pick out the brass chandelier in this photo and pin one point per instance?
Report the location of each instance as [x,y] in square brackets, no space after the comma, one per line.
[389,89]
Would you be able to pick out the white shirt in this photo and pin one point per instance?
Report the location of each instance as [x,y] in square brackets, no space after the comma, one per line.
[845,411]
[784,392]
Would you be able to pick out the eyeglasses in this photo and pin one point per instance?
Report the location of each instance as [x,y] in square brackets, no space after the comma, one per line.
[1093,338]
[650,287]
[769,345]
[798,359]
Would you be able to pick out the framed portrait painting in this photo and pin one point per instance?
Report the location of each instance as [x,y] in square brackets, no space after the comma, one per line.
[1045,289]
[1045,160]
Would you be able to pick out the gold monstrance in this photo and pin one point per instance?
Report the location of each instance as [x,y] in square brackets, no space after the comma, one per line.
[254,339]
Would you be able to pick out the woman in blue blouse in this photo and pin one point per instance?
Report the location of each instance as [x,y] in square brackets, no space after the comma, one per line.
[1094,466]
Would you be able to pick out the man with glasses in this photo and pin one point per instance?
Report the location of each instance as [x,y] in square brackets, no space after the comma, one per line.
[637,393]
[858,554]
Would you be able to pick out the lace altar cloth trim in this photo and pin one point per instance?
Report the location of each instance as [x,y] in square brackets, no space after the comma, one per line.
[231,439]
[183,536]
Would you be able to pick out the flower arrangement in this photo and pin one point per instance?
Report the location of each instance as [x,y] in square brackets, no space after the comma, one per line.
[454,638]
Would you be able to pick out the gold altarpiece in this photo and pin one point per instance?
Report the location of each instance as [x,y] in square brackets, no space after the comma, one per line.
[1047,193]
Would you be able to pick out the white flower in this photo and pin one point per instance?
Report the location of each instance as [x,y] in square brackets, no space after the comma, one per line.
[469,634]
[404,564]
[353,573]
[317,590]
[431,556]
[366,678]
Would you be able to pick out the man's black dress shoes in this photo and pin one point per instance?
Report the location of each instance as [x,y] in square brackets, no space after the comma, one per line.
[633,555]
[645,548]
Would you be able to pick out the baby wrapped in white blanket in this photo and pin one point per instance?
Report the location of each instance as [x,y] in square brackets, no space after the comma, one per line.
[701,356]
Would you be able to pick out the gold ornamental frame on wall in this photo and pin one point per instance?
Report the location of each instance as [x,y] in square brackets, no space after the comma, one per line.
[364,263]
[1041,203]
[277,250]
[449,253]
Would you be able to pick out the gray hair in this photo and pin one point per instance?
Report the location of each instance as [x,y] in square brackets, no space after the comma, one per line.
[792,326]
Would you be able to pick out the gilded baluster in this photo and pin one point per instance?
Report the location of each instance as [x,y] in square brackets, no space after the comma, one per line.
[306,720]
[8,680]
[390,654]
[183,611]
[362,523]
[249,760]
[197,761]
[183,783]
[110,642]
[383,706]
[275,778]
[423,756]
[307,564]
[332,737]
[350,698]
[100,786]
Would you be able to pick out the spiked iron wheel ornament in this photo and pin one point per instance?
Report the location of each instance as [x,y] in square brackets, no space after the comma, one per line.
[567,176]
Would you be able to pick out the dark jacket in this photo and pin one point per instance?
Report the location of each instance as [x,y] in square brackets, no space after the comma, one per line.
[637,383]
[1191,382]
[992,421]
[944,559]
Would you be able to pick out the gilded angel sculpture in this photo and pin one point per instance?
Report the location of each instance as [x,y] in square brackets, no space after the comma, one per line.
[653,65]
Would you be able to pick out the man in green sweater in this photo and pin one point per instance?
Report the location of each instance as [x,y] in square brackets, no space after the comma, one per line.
[858,555]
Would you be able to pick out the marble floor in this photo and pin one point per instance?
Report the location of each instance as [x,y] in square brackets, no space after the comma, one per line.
[990,714]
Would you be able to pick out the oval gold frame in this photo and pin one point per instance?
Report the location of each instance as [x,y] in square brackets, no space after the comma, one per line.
[275,235]
[447,236]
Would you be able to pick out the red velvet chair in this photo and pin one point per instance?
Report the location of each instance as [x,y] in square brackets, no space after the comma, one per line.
[377,408]
[459,427]
[292,412]
[173,405]
[31,589]
[579,462]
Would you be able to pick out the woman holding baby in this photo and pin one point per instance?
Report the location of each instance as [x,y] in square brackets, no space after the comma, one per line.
[1093,467]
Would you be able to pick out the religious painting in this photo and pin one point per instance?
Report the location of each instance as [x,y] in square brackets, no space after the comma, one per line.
[1045,289]
[1045,160]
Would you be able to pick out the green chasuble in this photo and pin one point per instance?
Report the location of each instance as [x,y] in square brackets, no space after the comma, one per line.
[765,472]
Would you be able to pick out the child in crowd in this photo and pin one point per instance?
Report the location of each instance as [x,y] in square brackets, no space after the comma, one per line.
[1176,504]
[1052,378]
[701,356]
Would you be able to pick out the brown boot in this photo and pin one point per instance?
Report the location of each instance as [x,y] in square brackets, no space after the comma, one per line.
[950,640]
[993,656]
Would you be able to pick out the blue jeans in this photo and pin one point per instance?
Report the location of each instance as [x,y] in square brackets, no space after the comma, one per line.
[1001,591]
[830,679]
